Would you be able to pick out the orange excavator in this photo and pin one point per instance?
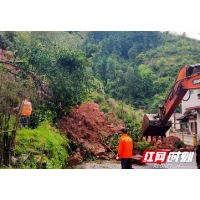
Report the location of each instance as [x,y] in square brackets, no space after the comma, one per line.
[155,125]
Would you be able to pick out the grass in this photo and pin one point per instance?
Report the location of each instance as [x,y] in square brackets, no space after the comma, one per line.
[45,148]
[116,106]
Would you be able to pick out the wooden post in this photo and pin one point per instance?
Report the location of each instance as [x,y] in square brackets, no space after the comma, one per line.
[194,139]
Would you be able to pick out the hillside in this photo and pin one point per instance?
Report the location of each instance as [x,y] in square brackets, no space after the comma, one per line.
[139,66]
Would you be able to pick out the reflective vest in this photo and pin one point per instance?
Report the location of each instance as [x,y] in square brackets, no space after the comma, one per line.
[125,148]
[26,108]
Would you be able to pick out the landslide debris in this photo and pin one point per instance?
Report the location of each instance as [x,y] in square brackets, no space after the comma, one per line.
[89,127]
[168,144]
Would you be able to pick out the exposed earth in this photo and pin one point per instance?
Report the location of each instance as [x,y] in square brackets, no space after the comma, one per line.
[90,128]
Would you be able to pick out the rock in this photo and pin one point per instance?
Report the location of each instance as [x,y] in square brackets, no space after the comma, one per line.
[14,160]
[103,157]
[74,159]
[23,158]
[137,159]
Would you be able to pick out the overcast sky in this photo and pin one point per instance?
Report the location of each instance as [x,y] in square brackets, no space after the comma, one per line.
[191,34]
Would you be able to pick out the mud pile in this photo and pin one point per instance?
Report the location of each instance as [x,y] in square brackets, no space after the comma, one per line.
[167,144]
[89,127]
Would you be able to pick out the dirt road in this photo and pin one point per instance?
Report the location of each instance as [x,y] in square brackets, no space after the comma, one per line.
[113,164]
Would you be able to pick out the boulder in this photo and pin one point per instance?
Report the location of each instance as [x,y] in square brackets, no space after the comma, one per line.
[76,158]
[23,157]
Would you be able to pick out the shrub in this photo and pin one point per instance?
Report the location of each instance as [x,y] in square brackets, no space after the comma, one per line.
[134,127]
[104,109]
[115,141]
[142,146]
[98,98]
[151,148]
[178,144]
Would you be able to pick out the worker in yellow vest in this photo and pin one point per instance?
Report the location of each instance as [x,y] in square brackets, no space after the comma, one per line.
[25,112]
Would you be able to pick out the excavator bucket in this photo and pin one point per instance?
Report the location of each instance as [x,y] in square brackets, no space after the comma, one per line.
[151,127]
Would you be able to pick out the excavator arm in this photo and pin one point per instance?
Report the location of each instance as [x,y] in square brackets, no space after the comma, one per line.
[158,124]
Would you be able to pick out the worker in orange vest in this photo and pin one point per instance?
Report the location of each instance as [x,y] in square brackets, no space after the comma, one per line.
[125,149]
[25,112]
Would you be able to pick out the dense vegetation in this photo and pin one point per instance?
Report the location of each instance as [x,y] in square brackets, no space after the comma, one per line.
[136,67]
[64,74]
[139,67]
